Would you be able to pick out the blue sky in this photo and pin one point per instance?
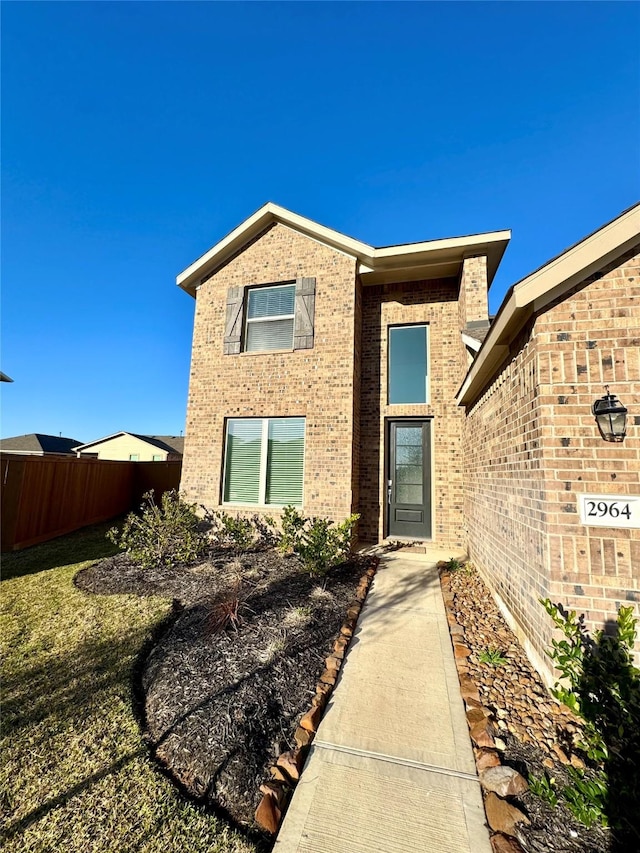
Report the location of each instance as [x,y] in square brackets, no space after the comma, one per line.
[135,135]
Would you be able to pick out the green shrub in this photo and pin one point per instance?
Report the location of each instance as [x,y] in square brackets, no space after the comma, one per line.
[162,535]
[545,788]
[492,656]
[602,686]
[292,523]
[587,797]
[323,544]
[318,542]
[235,530]
[266,530]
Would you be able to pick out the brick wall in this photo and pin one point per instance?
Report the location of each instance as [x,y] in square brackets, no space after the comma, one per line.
[532,444]
[316,383]
[434,303]
[473,303]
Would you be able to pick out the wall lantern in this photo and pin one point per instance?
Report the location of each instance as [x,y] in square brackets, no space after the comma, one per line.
[611,417]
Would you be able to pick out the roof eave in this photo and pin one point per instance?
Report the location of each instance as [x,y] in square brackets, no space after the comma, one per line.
[269,213]
[99,440]
[375,264]
[435,258]
[544,285]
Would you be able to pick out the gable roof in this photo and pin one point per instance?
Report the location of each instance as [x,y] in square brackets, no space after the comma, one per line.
[168,443]
[37,442]
[430,259]
[543,286]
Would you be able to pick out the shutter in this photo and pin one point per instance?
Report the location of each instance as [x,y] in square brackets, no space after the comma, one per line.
[233,321]
[305,313]
[285,461]
[242,464]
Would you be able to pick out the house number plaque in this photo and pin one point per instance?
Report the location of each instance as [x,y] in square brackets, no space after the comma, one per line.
[609,510]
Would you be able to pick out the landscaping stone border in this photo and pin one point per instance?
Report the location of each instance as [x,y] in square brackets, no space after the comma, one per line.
[285,773]
[499,782]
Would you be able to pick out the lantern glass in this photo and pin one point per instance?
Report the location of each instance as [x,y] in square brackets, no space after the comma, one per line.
[611,417]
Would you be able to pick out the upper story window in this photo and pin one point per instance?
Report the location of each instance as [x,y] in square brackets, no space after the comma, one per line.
[408,364]
[270,317]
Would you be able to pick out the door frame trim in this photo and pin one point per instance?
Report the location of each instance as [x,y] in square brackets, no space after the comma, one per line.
[388,420]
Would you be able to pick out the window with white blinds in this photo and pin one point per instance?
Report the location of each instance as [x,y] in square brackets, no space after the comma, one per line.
[270,318]
[264,461]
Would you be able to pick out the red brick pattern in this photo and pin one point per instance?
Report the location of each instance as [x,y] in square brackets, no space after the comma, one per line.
[532,444]
[473,291]
[339,386]
[318,383]
[434,303]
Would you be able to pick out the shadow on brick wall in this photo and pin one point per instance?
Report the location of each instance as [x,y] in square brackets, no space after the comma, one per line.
[610,696]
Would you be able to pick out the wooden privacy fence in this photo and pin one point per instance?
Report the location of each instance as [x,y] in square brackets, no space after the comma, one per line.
[48,496]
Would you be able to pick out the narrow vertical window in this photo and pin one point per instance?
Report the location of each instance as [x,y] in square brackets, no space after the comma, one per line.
[408,364]
[285,460]
[242,464]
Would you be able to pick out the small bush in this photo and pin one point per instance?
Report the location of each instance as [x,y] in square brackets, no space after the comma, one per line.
[293,523]
[226,613]
[545,788]
[266,531]
[492,656]
[318,542]
[602,686]
[323,544]
[236,530]
[587,798]
[162,535]
[460,567]
[297,616]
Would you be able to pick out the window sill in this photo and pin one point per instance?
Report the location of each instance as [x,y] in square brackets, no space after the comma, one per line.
[266,351]
[255,507]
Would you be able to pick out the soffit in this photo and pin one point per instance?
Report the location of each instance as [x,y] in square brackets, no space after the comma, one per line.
[542,287]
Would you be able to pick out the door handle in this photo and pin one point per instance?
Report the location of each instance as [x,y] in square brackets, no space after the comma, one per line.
[389,487]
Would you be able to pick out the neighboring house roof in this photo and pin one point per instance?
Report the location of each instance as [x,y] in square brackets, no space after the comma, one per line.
[545,285]
[4,377]
[168,443]
[406,262]
[38,443]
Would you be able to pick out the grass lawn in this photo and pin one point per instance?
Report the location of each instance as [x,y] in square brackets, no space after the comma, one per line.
[75,771]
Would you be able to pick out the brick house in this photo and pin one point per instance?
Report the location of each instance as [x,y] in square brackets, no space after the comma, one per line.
[532,450]
[345,378]
[324,374]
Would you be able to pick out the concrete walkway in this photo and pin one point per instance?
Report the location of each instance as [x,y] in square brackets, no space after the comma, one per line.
[392,768]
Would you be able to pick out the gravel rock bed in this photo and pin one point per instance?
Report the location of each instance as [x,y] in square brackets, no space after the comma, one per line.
[534,734]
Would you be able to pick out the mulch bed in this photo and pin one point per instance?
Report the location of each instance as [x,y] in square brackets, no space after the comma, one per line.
[534,735]
[220,706]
